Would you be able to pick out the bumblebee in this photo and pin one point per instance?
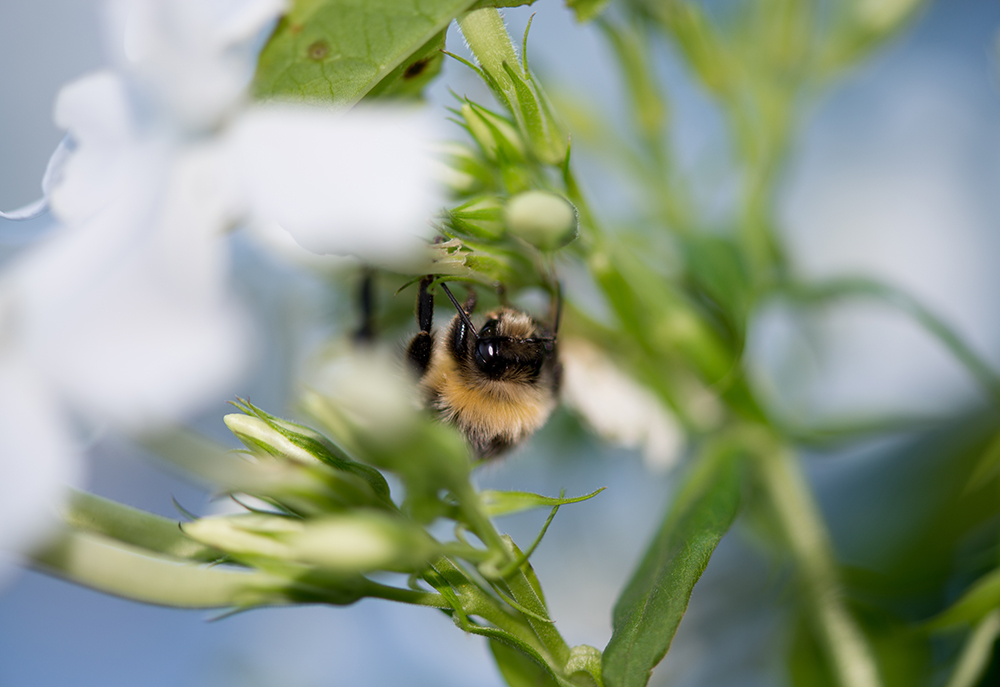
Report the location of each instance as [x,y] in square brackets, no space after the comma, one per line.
[498,383]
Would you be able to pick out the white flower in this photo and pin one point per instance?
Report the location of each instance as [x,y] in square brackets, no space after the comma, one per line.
[124,317]
[616,406]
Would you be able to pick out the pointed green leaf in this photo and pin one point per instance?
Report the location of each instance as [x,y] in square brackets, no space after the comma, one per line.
[507,502]
[649,610]
[339,50]
[516,645]
[409,79]
[519,670]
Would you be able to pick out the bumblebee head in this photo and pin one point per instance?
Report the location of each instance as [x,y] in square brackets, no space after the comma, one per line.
[510,346]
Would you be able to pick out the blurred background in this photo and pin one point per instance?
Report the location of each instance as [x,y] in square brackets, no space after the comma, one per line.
[895,174]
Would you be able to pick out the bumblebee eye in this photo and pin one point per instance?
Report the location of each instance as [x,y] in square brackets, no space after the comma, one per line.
[489,356]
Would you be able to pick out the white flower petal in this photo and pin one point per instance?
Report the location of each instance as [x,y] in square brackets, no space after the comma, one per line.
[37,457]
[128,314]
[53,173]
[192,58]
[91,172]
[29,211]
[358,183]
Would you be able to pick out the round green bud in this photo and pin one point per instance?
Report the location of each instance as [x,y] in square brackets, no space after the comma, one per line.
[545,220]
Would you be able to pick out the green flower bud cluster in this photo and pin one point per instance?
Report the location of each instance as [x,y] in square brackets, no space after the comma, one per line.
[356,542]
[319,523]
[514,86]
[509,205]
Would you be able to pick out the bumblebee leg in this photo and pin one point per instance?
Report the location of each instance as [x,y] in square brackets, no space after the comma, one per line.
[487,448]
[366,300]
[501,292]
[421,346]
[470,302]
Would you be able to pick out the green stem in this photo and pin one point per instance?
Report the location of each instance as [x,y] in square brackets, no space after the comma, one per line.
[406,596]
[475,513]
[522,591]
[977,652]
[798,516]
[133,573]
[487,36]
[977,368]
[475,601]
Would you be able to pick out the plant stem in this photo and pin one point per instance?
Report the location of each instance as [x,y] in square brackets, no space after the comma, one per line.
[977,652]
[479,522]
[978,369]
[406,596]
[798,516]
[487,36]
[476,601]
[522,591]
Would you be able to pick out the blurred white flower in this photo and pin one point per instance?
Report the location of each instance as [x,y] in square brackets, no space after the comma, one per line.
[124,317]
[616,406]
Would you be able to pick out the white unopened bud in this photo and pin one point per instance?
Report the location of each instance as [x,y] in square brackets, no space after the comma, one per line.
[250,534]
[543,219]
[258,435]
[361,543]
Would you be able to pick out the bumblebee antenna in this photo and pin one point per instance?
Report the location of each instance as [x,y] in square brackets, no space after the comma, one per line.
[461,311]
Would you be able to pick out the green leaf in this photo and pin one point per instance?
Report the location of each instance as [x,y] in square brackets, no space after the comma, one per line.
[584,665]
[518,669]
[502,3]
[586,9]
[717,272]
[974,605]
[339,50]
[515,644]
[409,79]
[987,468]
[507,502]
[650,608]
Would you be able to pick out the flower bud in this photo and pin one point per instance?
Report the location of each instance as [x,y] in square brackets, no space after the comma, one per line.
[358,542]
[481,218]
[362,542]
[543,219]
[462,168]
[258,436]
[493,133]
[250,534]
